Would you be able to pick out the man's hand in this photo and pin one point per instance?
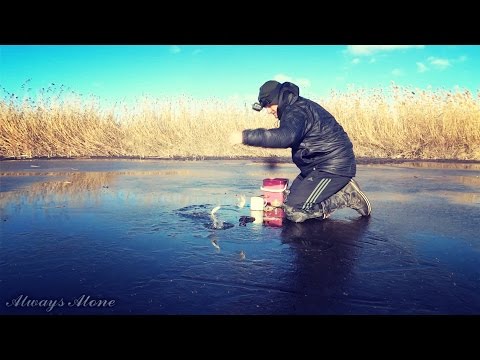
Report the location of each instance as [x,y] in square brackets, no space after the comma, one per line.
[235,138]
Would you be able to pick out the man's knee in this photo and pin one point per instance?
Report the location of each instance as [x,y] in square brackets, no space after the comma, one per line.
[299,215]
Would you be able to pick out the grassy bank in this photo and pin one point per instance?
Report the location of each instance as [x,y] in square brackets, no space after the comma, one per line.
[382,123]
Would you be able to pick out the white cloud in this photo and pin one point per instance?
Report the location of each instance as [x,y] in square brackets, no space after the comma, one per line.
[372,60]
[356,61]
[302,82]
[397,72]
[462,58]
[439,63]
[421,67]
[197,51]
[282,78]
[370,49]
[175,49]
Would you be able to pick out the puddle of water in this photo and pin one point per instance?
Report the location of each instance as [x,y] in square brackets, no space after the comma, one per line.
[136,237]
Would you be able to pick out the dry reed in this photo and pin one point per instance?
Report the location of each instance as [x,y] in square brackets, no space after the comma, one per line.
[382,123]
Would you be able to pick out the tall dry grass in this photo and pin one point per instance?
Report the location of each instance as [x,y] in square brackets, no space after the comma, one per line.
[410,123]
[383,123]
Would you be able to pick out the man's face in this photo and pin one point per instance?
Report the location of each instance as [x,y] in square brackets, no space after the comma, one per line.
[272,109]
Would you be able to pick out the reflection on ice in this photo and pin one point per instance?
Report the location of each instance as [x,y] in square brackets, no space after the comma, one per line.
[451,165]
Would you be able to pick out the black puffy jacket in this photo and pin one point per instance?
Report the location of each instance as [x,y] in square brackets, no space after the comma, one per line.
[316,138]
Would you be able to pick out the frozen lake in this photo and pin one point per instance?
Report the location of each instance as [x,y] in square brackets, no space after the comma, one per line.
[135,237]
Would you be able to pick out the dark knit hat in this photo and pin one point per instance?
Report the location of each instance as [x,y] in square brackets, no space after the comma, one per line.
[269,93]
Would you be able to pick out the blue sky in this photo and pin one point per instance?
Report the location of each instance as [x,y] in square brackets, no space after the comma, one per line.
[235,72]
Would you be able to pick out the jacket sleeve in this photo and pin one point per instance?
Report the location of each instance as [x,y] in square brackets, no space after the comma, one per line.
[291,131]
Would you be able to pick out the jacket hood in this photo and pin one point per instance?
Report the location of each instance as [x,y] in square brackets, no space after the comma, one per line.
[288,94]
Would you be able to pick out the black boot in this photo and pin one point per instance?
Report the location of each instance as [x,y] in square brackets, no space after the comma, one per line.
[334,202]
[356,198]
[349,196]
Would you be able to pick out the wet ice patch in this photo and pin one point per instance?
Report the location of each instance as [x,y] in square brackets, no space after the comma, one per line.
[207,215]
